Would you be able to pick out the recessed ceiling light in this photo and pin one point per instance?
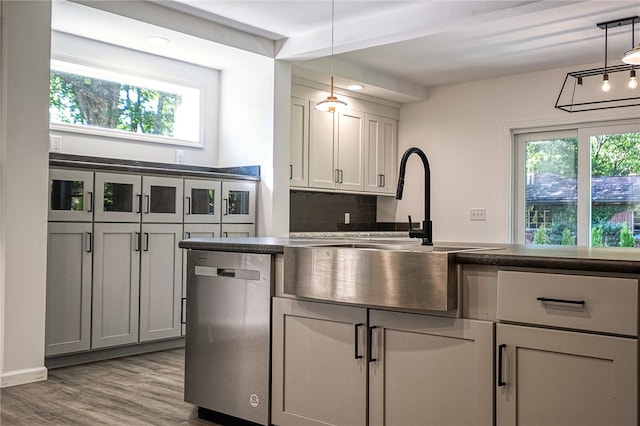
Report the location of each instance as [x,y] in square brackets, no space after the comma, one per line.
[355,87]
[158,40]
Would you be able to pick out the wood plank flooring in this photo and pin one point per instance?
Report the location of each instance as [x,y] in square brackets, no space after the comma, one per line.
[136,390]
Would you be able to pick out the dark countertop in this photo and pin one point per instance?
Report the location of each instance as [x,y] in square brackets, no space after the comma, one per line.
[620,260]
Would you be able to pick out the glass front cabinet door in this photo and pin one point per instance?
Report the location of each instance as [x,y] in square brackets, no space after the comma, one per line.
[118,197]
[70,195]
[202,201]
[238,202]
[162,199]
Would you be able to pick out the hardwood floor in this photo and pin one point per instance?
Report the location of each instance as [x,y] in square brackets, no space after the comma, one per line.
[136,390]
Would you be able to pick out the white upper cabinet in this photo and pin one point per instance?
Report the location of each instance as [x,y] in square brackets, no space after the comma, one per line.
[70,195]
[238,202]
[162,199]
[351,151]
[202,201]
[299,148]
[381,147]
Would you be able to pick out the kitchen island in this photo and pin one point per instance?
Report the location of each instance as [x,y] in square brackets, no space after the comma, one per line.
[540,335]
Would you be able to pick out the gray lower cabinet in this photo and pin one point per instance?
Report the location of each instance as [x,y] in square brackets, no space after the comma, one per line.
[319,364]
[562,377]
[160,281]
[68,316]
[421,369]
[428,370]
[116,285]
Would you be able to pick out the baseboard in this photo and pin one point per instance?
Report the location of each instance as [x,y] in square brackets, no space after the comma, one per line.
[21,377]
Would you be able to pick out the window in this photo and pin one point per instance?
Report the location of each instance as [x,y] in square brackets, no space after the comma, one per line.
[91,100]
[579,187]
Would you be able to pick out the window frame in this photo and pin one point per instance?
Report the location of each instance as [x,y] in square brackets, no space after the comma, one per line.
[582,132]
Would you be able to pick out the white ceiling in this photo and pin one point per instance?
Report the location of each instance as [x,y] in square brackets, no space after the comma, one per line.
[399,48]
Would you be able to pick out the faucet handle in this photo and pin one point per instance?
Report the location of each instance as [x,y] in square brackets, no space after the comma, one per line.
[410,223]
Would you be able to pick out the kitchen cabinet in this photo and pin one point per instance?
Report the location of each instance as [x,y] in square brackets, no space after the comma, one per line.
[422,369]
[567,348]
[116,285]
[160,281]
[381,147]
[68,312]
[202,201]
[70,195]
[124,197]
[336,150]
[319,364]
[565,378]
[299,143]
[429,370]
[239,202]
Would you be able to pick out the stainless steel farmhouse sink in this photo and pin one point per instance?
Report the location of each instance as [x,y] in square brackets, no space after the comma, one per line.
[385,274]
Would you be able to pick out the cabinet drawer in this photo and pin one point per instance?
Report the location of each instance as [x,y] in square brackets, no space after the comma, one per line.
[603,304]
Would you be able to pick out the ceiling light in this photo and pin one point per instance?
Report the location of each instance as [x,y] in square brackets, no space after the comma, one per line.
[632,56]
[355,87]
[633,83]
[160,41]
[332,103]
[606,86]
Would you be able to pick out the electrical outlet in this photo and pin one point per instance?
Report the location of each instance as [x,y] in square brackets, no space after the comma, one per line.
[347,218]
[179,156]
[478,214]
[55,143]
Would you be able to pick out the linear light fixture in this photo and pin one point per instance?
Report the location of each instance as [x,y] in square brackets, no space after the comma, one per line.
[578,94]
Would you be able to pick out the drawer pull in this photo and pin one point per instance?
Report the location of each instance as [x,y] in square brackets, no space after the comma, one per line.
[571,302]
[501,349]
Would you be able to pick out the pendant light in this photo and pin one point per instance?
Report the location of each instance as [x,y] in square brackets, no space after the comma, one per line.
[332,103]
[606,86]
[632,56]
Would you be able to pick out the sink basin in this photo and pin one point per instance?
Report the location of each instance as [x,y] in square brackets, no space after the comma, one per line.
[385,274]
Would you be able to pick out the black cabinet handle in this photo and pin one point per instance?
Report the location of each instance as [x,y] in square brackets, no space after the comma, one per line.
[146,241]
[90,203]
[501,349]
[139,203]
[183,301]
[226,207]
[138,241]
[568,301]
[355,344]
[147,204]
[370,357]
[89,242]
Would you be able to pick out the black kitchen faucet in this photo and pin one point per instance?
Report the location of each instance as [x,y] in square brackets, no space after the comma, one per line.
[426,233]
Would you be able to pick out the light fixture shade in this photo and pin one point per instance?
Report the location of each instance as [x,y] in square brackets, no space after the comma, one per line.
[632,56]
[331,104]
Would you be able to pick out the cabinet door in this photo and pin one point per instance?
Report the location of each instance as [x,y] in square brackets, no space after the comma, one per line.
[553,377]
[381,154]
[160,281]
[70,195]
[430,370]
[116,285]
[319,364]
[237,230]
[202,201]
[238,202]
[162,199]
[68,318]
[322,173]
[350,151]
[118,197]
[299,148]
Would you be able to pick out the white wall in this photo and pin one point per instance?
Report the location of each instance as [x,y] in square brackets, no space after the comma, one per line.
[24,176]
[465,131]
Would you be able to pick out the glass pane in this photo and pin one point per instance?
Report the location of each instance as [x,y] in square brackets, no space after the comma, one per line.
[202,201]
[163,199]
[551,191]
[238,202]
[118,197]
[67,195]
[615,190]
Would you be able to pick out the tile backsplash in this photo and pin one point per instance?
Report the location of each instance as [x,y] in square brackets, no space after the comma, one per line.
[325,212]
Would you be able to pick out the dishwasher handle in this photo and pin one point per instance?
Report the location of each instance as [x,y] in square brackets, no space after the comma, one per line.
[223,272]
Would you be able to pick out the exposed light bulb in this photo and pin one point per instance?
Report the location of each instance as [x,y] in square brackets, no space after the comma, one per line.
[606,86]
[633,83]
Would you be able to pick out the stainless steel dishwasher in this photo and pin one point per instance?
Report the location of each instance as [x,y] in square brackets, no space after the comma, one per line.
[227,352]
